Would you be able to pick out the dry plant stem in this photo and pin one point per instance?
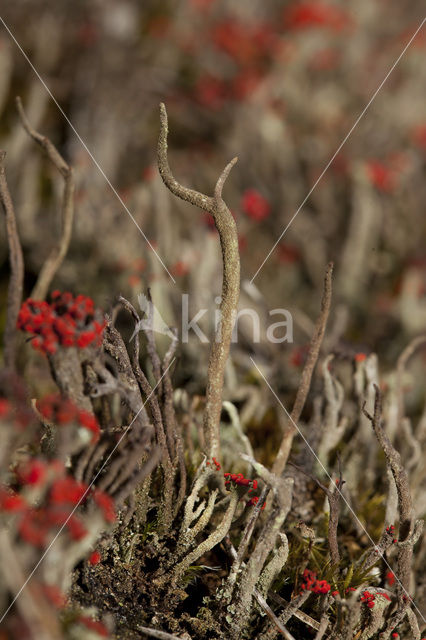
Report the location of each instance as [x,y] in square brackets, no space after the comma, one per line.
[287,440]
[351,621]
[271,615]
[161,635]
[66,370]
[166,438]
[370,557]
[297,614]
[285,616]
[16,282]
[405,506]
[322,628]
[302,392]
[137,478]
[114,346]
[173,429]
[227,229]
[151,347]
[58,253]
[144,385]
[172,432]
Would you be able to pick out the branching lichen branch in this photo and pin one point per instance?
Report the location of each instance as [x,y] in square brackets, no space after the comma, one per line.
[227,229]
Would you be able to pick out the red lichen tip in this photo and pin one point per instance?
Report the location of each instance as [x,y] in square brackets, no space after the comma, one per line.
[94,558]
[360,357]
[239,480]
[390,578]
[311,583]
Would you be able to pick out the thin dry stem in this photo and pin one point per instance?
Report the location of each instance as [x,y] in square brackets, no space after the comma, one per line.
[16,283]
[58,253]
[305,383]
[405,505]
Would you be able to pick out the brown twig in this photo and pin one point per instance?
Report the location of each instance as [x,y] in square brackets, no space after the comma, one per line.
[271,615]
[405,505]
[58,253]
[16,283]
[227,229]
[165,436]
[301,615]
[144,385]
[161,635]
[323,627]
[305,383]
[290,610]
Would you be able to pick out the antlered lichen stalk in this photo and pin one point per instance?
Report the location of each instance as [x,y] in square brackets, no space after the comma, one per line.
[227,229]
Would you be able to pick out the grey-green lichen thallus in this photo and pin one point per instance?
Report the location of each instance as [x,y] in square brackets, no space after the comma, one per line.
[227,229]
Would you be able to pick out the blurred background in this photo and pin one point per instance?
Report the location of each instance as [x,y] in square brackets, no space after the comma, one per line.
[277,83]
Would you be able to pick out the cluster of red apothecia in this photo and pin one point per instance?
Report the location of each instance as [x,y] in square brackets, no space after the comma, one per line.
[391,531]
[311,583]
[62,411]
[369,598]
[64,322]
[215,463]
[238,479]
[63,492]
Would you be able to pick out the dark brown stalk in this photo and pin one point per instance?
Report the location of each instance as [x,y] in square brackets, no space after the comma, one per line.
[405,505]
[305,382]
[16,282]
